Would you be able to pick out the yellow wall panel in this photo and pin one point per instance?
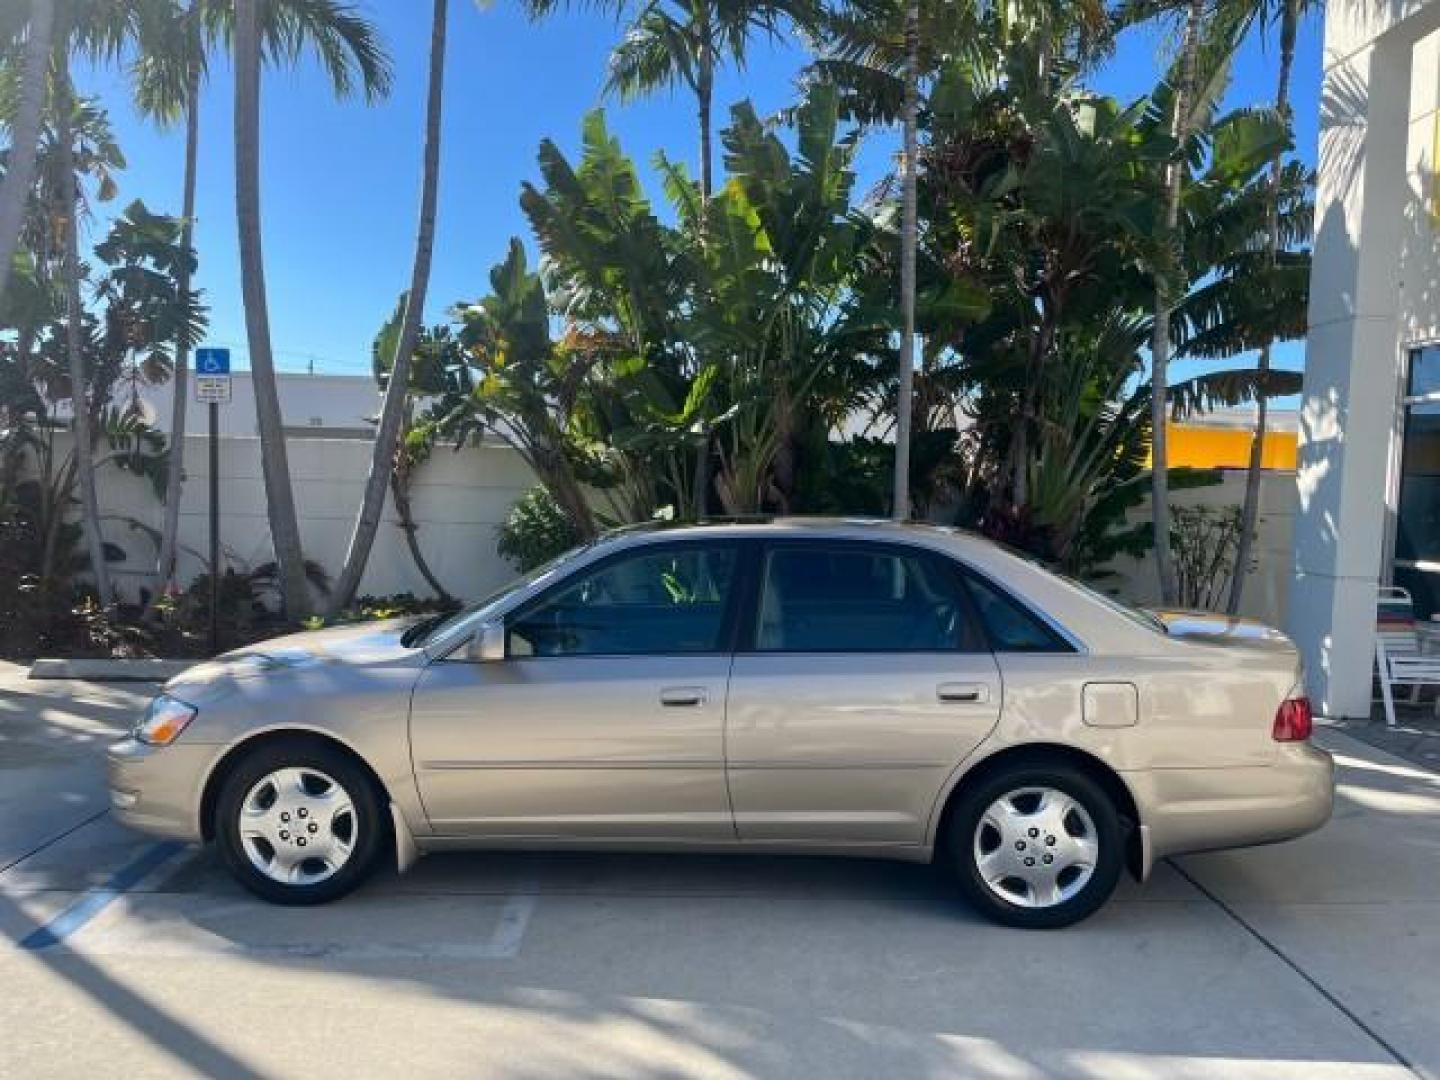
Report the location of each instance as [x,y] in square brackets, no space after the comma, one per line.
[1197,447]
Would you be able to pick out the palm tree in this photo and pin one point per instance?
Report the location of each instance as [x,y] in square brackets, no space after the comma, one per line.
[1290,12]
[25,130]
[879,72]
[392,414]
[878,52]
[174,49]
[274,461]
[161,95]
[1181,126]
[909,233]
[275,466]
[674,42]
[101,30]
[74,333]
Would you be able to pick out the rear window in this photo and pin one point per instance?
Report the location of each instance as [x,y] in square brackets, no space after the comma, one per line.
[1138,616]
[1011,626]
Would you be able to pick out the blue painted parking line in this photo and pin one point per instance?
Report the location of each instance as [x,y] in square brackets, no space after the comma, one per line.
[96,900]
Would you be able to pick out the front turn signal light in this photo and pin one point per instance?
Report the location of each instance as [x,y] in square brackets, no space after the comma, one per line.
[163,721]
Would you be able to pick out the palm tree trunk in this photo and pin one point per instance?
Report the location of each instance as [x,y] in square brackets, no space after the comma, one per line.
[1250,509]
[382,458]
[280,499]
[909,239]
[180,396]
[705,94]
[1160,341]
[400,495]
[25,135]
[74,327]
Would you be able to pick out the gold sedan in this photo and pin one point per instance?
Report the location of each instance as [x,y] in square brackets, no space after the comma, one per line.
[852,687]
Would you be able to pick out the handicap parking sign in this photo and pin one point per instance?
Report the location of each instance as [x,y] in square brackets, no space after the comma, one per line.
[212,361]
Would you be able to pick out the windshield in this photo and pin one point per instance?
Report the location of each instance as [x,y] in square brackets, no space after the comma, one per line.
[437,626]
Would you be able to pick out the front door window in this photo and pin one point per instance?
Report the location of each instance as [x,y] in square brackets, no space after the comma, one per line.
[666,601]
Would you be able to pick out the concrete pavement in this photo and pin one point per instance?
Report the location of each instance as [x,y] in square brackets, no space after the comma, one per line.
[1312,959]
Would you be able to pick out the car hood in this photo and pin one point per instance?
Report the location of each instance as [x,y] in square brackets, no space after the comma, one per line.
[1215,628]
[360,644]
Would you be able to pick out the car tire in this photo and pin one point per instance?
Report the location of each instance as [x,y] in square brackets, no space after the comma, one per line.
[299,823]
[1037,847]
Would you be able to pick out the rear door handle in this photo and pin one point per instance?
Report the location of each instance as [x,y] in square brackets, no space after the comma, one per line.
[677,696]
[963,693]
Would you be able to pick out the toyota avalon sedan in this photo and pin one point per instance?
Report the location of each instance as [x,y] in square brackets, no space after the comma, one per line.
[845,687]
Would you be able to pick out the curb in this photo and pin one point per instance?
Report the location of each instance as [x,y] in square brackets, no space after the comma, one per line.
[110,670]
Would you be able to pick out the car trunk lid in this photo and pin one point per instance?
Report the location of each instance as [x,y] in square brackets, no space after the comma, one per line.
[1212,628]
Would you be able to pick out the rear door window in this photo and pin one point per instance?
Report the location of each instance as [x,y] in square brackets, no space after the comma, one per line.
[1010,626]
[860,598]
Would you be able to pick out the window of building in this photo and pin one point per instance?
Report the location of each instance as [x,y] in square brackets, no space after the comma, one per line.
[1417,520]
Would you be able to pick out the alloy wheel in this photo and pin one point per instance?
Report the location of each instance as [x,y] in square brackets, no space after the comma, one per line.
[298,826]
[1036,847]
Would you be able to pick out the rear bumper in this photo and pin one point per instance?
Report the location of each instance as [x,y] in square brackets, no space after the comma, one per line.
[157,789]
[1186,810]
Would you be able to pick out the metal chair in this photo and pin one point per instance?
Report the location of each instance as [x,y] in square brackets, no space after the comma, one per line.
[1399,658]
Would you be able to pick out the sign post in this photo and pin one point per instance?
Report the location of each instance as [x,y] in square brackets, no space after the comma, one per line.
[212,387]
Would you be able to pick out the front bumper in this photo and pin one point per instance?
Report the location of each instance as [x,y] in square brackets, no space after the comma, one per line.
[158,789]
[1187,810]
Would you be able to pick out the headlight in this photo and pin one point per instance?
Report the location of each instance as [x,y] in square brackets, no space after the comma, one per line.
[164,720]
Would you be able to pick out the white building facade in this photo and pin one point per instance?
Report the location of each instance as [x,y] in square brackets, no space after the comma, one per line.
[1368,480]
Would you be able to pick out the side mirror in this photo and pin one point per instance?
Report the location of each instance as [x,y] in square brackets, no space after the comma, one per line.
[488,644]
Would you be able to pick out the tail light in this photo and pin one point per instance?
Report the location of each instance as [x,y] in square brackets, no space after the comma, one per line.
[1294,720]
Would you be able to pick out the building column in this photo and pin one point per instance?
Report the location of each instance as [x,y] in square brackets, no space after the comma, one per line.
[1349,415]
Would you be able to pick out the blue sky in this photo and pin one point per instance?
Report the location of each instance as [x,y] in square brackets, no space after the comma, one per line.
[340,179]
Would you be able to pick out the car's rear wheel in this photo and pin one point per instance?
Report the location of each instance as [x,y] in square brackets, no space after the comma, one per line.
[1036,846]
[299,823]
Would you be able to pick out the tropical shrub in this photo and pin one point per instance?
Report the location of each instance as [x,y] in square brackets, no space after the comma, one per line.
[536,530]
[1204,540]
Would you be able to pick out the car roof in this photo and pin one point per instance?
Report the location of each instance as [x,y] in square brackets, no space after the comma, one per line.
[768,525]
[945,537]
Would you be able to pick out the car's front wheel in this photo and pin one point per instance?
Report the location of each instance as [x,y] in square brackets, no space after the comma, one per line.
[1038,847]
[299,823]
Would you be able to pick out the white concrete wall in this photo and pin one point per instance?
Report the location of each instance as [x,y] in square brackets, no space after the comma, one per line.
[1419,296]
[1353,25]
[344,402]
[1373,294]
[459,497]
[1268,588]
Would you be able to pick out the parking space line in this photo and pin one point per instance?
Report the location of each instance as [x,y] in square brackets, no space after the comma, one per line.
[115,938]
[37,849]
[1314,983]
[94,901]
[514,920]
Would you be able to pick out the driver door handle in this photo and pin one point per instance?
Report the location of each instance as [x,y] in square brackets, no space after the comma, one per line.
[677,696]
[963,693]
